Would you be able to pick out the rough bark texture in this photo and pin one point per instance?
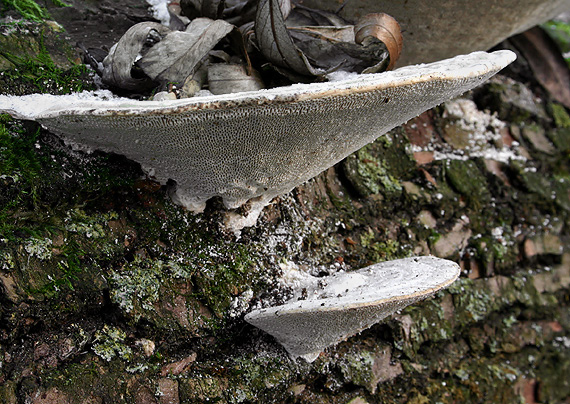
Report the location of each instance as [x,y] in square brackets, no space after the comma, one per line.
[111,294]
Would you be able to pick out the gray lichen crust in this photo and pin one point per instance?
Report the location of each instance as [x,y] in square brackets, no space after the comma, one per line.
[255,145]
[350,302]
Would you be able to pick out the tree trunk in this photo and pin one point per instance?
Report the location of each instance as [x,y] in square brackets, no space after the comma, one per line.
[110,293]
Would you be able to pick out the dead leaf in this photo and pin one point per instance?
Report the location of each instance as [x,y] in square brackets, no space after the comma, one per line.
[196,81]
[326,47]
[179,54]
[178,22]
[239,12]
[379,27]
[304,16]
[332,48]
[202,8]
[330,33]
[118,65]
[231,78]
[218,56]
[546,61]
[274,41]
[151,55]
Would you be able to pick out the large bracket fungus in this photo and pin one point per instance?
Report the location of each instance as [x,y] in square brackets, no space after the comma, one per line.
[253,146]
[346,303]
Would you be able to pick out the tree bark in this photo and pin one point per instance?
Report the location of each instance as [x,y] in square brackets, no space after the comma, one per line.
[110,293]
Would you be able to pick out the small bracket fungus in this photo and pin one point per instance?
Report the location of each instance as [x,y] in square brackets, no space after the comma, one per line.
[346,303]
[253,146]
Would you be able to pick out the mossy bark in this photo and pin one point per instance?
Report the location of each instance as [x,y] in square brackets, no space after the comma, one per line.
[110,293]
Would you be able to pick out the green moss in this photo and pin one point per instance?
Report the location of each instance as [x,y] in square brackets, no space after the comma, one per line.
[357,368]
[561,139]
[427,323]
[31,178]
[550,188]
[45,182]
[35,76]
[34,58]
[433,236]
[379,167]
[552,367]
[19,168]
[487,380]
[369,175]
[183,289]
[561,117]
[467,179]
[30,10]
[499,251]
[39,74]
[381,248]
[69,269]
[560,32]
[225,279]
[81,381]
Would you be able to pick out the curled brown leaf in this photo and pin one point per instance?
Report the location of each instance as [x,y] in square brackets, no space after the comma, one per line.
[202,8]
[181,53]
[380,27]
[224,78]
[305,16]
[118,65]
[274,41]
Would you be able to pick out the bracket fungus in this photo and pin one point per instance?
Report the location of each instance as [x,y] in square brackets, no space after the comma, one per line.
[253,146]
[347,303]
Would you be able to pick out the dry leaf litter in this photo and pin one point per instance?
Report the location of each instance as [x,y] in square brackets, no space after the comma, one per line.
[204,47]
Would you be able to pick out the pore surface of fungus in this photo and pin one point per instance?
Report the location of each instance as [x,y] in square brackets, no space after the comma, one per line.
[254,145]
[346,303]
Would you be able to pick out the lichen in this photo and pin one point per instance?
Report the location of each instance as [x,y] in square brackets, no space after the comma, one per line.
[137,284]
[252,375]
[369,175]
[110,343]
[381,248]
[472,300]
[39,248]
[465,345]
[357,367]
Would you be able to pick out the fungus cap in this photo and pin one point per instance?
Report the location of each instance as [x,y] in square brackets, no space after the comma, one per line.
[260,144]
[346,303]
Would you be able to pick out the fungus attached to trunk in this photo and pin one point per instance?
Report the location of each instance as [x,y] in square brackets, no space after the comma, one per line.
[253,146]
[346,303]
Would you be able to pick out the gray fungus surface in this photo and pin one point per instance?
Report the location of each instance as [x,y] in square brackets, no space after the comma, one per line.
[255,145]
